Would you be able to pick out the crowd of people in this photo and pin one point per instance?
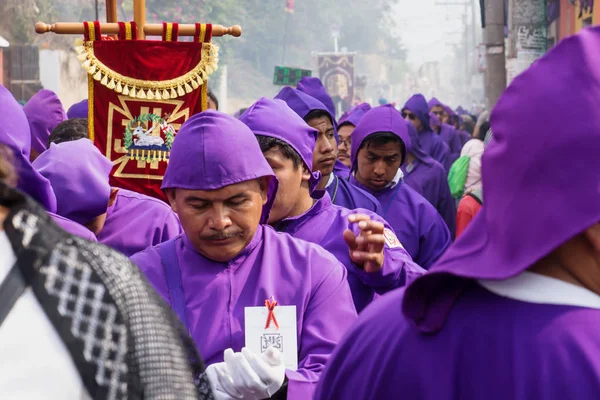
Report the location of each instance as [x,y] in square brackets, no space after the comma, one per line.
[361,252]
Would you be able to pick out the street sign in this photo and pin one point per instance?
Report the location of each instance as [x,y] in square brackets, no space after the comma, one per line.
[286,76]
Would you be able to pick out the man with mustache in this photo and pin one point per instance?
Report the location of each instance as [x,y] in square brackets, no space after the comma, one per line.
[317,116]
[226,262]
[360,239]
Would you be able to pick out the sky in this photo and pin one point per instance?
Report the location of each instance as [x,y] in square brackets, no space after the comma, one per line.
[428,29]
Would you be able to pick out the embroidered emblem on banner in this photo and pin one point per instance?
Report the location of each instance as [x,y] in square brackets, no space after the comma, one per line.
[391,240]
[142,132]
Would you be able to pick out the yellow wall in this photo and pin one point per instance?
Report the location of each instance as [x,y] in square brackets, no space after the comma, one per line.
[579,21]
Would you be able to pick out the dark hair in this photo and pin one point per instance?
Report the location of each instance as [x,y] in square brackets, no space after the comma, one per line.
[383,138]
[483,130]
[266,143]
[8,173]
[212,96]
[69,130]
[317,114]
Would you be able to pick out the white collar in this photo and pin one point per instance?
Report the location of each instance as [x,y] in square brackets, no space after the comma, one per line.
[330,181]
[535,288]
[397,178]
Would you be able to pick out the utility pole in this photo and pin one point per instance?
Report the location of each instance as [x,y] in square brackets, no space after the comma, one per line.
[527,34]
[495,74]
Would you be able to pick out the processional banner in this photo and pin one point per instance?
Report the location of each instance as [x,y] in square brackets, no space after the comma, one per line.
[336,71]
[140,92]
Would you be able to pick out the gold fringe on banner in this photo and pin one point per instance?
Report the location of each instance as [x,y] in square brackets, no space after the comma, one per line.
[141,89]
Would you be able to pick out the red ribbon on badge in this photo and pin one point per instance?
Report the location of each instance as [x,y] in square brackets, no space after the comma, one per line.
[271,304]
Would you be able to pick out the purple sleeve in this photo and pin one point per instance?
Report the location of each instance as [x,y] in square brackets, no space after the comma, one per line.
[329,314]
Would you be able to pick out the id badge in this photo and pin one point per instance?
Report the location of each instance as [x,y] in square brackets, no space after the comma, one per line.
[273,325]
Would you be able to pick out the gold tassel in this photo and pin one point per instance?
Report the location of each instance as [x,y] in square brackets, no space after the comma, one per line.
[165,95]
[195,84]
[86,64]
[119,88]
[104,80]
[132,92]
[188,88]
[209,69]
[173,93]
[157,95]
[80,50]
[141,94]
[111,84]
[150,94]
[82,57]
[79,42]
[98,76]
[180,91]
[126,90]
[92,69]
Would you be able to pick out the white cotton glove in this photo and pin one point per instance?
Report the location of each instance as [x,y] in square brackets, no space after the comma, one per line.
[221,382]
[256,378]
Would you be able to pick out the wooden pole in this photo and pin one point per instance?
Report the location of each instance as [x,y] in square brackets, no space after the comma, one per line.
[111,11]
[139,16]
[76,28]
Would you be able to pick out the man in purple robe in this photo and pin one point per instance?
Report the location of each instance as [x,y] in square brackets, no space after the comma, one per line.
[313,87]
[15,133]
[226,262]
[429,179]
[378,150]
[78,110]
[376,262]
[124,220]
[345,127]
[316,115]
[512,310]
[448,133]
[416,111]
[44,112]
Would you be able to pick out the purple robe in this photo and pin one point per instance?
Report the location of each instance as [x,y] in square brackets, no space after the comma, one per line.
[79,174]
[78,110]
[449,337]
[213,295]
[429,179]
[273,118]
[430,141]
[451,137]
[73,227]
[313,87]
[398,269]
[44,112]
[136,221]
[14,133]
[345,194]
[417,223]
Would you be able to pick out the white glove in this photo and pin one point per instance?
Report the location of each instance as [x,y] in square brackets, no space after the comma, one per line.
[220,378]
[255,378]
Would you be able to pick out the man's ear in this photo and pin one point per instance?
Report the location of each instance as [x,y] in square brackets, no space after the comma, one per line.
[306,174]
[592,234]
[171,193]
[264,182]
[113,196]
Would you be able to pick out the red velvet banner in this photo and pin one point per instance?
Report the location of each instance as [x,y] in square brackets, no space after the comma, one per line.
[140,93]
